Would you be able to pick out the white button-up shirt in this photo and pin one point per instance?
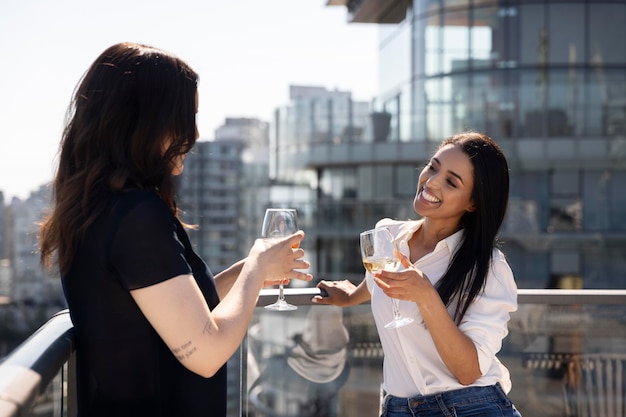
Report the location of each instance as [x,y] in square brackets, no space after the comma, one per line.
[412,365]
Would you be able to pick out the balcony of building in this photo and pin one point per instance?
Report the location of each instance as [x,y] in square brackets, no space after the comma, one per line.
[566,352]
[374,11]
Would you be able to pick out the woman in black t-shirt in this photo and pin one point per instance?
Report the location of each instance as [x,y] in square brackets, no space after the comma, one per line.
[154,328]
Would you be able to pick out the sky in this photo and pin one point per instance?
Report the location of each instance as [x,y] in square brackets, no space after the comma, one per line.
[247,52]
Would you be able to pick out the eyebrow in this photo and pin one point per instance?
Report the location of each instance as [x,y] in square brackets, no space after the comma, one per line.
[451,172]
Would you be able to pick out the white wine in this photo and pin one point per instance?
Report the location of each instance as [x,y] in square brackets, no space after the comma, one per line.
[385,263]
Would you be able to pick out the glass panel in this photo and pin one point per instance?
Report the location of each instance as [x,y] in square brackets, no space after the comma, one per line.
[529,266]
[565,270]
[486,37]
[488,105]
[394,59]
[383,177]
[607,33]
[565,202]
[405,122]
[455,41]
[565,103]
[559,346]
[426,6]
[448,4]
[433,110]
[338,256]
[549,351]
[484,2]
[338,183]
[596,193]
[419,117]
[432,45]
[460,94]
[393,107]
[606,102]
[605,267]
[365,181]
[446,107]
[533,92]
[405,183]
[617,201]
[566,40]
[315,361]
[534,41]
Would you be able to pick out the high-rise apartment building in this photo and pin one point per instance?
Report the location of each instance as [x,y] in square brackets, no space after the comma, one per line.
[222,192]
[546,79]
[30,282]
[210,200]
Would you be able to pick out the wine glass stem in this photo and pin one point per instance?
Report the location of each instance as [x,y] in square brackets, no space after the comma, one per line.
[396,310]
[281,294]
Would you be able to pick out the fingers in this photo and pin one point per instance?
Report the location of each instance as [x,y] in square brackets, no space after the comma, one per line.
[302,276]
[318,299]
[404,260]
[295,239]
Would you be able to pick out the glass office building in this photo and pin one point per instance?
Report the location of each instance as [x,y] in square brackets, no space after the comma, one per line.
[546,79]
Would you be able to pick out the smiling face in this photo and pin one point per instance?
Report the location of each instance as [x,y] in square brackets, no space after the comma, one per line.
[444,190]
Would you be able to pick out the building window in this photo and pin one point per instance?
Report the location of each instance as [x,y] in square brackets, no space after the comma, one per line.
[566,206]
[565,270]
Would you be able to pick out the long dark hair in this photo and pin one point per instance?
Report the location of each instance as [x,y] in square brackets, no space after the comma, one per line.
[467,272]
[131,116]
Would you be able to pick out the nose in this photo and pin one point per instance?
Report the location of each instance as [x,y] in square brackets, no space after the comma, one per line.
[433,180]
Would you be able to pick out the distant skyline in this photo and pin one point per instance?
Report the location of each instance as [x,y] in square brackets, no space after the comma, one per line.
[247,52]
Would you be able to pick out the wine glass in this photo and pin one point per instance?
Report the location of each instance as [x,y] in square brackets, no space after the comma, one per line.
[277,223]
[378,253]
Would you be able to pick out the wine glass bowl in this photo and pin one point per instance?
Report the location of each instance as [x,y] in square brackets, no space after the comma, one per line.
[278,223]
[378,252]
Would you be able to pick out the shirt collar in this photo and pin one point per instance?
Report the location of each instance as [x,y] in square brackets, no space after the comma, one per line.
[452,242]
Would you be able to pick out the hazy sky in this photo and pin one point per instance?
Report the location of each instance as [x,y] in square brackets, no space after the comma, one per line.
[247,52]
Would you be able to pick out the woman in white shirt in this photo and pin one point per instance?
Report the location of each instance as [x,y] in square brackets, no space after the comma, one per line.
[455,283]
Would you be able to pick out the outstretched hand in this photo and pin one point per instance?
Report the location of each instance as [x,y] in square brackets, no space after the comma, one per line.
[337,293]
[279,260]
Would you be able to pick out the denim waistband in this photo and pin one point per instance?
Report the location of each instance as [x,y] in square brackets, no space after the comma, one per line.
[453,398]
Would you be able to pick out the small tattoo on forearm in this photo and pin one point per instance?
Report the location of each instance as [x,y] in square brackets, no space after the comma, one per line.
[208,327]
[184,351]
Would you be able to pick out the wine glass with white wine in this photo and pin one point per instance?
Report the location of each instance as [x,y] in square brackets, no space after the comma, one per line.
[278,223]
[378,253]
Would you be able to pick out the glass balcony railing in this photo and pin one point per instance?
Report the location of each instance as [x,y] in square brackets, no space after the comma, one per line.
[566,351]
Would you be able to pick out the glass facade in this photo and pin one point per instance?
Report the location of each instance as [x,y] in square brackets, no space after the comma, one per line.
[546,79]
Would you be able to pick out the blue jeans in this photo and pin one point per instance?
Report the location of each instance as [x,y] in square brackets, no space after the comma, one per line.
[488,401]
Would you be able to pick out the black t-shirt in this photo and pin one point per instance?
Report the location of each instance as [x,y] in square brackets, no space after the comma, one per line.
[123,366]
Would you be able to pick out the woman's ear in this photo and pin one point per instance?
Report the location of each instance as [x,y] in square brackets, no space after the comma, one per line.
[472,207]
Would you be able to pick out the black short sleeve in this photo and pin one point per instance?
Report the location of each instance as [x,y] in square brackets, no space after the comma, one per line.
[144,248]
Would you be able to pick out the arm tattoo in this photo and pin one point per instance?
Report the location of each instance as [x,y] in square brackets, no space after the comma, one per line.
[184,351]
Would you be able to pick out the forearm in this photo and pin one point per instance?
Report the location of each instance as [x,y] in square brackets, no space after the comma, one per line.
[201,339]
[457,351]
[224,280]
[360,295]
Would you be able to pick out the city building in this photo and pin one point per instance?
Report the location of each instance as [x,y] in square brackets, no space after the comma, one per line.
[31,283]
[210,200]
[546,79]
[222,193]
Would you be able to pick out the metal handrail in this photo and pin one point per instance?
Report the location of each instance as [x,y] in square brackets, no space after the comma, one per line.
[30,368]
[302,296]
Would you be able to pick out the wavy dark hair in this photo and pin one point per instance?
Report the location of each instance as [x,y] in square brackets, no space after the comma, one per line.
[467,272]
[132,114]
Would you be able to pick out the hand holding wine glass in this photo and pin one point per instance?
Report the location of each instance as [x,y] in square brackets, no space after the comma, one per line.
[378,253]
[279,223]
